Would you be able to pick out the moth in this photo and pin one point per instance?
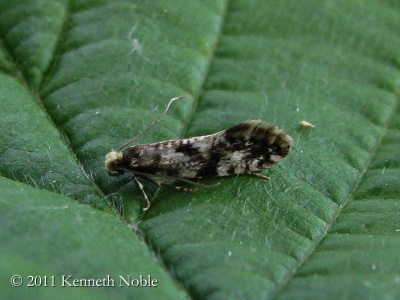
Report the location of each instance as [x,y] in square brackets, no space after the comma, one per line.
[246,148]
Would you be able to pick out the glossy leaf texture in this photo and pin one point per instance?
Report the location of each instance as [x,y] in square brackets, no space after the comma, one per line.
[80,78]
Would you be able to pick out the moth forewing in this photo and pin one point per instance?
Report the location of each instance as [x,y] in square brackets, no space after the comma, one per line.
[246,148]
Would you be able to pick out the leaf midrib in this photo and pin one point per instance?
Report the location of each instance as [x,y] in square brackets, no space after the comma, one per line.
[211,58]
[36,94]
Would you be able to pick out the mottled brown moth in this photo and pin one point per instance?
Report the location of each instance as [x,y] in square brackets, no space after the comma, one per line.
[246,148]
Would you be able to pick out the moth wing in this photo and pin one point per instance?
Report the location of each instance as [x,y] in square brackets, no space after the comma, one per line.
[247,147]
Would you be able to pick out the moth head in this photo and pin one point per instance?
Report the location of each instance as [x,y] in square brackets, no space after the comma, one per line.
[112,163]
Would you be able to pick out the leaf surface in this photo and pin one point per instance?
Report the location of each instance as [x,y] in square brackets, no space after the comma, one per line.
[79,78]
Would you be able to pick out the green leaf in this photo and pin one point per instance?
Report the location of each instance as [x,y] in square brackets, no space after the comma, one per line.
[47,235]
[79,78]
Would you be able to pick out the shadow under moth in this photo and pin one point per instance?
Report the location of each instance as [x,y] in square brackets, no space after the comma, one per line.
[246,148]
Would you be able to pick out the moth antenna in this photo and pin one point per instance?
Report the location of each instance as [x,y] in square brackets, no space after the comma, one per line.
[152,124]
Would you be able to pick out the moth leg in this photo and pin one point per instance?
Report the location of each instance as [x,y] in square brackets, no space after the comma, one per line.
[260,176]
[160,183]
[176,178]
[141,188]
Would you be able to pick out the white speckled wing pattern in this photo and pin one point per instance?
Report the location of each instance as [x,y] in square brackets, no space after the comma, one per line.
[245,148]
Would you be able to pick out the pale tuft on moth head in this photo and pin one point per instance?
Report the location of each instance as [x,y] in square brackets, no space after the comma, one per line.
[112,163]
